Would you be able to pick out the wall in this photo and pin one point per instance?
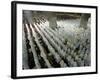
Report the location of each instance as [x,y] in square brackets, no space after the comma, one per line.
[5,40]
